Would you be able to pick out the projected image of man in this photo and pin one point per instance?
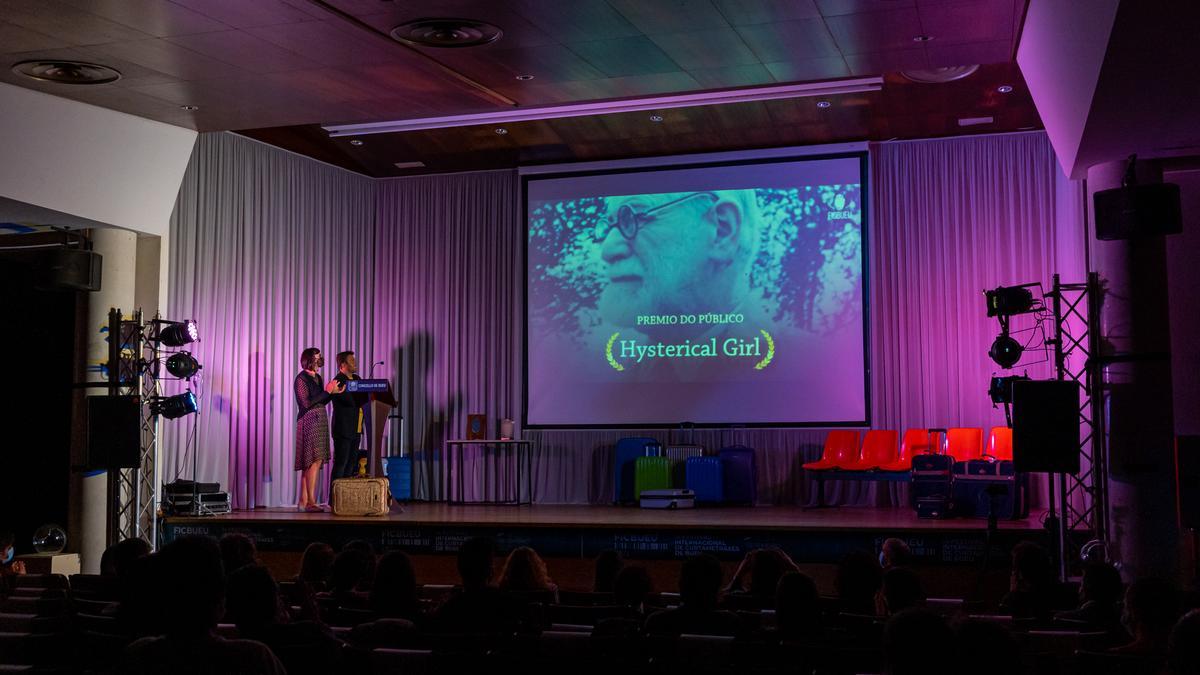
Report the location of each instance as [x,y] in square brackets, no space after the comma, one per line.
[678,253]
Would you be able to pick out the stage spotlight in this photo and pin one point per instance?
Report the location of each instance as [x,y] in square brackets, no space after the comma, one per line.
[1009,300]
[179,333]
[1001,388]
[1005,351]
[182,365]
[172,407]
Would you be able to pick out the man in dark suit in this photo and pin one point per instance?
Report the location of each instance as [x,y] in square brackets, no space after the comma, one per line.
[347,419]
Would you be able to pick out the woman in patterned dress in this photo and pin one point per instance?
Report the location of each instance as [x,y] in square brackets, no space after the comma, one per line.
[312,425]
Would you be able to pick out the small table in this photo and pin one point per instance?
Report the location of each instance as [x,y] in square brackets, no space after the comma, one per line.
[512,451]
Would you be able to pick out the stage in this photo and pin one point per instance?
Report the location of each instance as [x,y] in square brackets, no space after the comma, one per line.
[581,532]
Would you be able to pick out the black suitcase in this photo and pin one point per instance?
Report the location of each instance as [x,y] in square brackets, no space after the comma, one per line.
[932,483]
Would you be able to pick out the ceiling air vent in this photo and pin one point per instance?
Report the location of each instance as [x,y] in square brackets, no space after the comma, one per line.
[446,33]
[939,75]
[66,72]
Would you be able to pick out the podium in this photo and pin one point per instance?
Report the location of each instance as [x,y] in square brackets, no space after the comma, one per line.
[379,401]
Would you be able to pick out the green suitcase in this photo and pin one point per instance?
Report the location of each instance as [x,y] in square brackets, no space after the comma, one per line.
[651,473]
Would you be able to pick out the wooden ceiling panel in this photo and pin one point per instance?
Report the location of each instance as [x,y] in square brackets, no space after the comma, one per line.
[162,56]
[71,25]
[734,76]
[706,49]
[875,31]
[331,44]
[790,40]
[159,18]
[244,14]
[843,7]
[944,56]
[500,67]
[578,20]
[239,47]
[750,12]
[260,63]
[676,16]
[808,70]
[621,57]
[15,39]
[960,22]
[913,58]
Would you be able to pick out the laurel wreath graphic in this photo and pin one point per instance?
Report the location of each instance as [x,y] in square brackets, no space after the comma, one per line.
[770,351]
[608,353]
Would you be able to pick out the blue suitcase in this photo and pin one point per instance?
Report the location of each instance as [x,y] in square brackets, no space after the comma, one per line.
[703,476]
[741,485]
[625,454]
[399,473]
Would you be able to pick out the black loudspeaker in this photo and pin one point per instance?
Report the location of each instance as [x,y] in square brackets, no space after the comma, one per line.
[1187,480]
[69,269]
[1045,419]
[114,432]
[1138,211]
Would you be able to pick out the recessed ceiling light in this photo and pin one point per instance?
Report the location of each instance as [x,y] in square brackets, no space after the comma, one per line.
[823,104]
[656,118]
[501,130]
[940,75]
[922,38]
[355,141]
[189,108]
[446,33]
[524,78]
[409,165]
[1004,88]
[66,72]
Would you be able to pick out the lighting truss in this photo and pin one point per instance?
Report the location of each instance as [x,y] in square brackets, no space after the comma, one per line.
[133,493]
[1083,497]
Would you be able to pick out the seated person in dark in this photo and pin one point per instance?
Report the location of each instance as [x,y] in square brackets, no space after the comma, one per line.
[797,607]
[757,578]
[1151,609]
[1099,599]
[254,606]
[859,578]
[189,583]
[1034,591]
[699,592]
[480,607]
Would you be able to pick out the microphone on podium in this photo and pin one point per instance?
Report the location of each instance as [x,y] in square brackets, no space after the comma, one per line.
[377,363]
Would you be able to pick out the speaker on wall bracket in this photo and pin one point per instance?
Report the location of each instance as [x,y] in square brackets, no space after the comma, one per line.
[1046,426]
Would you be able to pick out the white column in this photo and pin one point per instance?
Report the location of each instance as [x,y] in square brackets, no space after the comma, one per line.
[1135,392]
[118,267]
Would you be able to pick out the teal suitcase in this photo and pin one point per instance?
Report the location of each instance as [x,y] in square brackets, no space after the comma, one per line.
[651,473]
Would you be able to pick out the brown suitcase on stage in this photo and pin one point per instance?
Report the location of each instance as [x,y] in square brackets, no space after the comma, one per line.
[360,497]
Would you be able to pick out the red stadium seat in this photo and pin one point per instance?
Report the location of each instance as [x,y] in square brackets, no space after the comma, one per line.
[965,443]
[915,442]
[878,449]
[999,446]
[841,448]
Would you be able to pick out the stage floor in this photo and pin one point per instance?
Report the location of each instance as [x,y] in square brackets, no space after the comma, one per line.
[582,532]
[770,518]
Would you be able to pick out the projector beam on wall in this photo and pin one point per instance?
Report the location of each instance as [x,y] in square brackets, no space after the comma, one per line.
[771,93]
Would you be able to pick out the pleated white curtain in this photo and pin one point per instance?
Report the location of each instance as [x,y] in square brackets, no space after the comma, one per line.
[271,253]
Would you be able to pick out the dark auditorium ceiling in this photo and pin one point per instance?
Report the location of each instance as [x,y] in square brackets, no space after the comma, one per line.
[277,70]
